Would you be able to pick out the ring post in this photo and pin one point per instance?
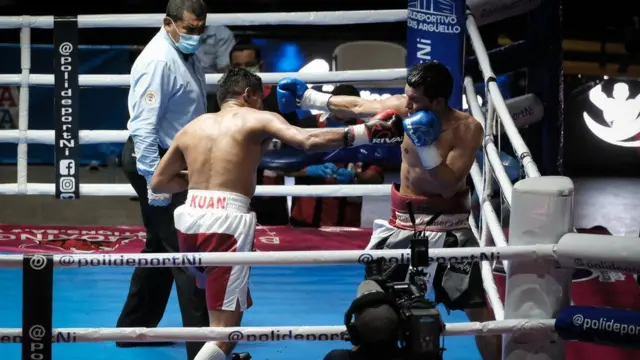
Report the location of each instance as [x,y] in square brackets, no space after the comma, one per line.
[37,306]
[436,31]
[541,213]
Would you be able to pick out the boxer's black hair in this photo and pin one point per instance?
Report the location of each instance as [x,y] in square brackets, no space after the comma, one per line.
[345,89]
[177,8]
[235,81]
[433,77]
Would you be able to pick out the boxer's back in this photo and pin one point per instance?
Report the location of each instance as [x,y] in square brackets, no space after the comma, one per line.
[223,150]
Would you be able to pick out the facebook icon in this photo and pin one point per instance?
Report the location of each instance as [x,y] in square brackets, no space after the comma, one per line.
[67,167]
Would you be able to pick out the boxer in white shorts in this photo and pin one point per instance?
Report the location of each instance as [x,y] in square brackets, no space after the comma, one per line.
[222,152]
[438,150]
[445,222]
[218,221]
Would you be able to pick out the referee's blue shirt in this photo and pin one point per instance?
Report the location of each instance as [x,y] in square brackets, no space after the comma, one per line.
[167,92]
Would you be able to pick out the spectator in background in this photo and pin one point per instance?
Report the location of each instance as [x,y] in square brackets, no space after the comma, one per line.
[216,44]
[335,211]
[269,210]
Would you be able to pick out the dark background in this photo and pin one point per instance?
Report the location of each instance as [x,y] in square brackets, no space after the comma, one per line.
[582,20]
[599,39]
[610,22]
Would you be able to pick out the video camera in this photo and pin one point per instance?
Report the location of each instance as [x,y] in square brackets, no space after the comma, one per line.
[420,322]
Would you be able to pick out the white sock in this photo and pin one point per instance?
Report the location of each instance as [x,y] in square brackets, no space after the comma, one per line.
[210,351]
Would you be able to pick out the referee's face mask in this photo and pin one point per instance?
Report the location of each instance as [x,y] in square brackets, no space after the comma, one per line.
[185,34]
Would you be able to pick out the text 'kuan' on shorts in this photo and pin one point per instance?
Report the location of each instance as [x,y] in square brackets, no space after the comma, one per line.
[215,221]
[457,286]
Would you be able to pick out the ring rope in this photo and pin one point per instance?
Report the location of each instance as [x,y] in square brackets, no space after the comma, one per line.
[495,97]
[241,19]
[47,137]
[261,190]
[599,252]
[333,257]
[212,79]
[489,147]
[264,333]
[495,229]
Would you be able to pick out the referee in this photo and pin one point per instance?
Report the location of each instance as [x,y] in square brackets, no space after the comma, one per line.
[168,90]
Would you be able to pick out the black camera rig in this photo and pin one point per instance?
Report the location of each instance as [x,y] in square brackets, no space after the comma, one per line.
[421,324]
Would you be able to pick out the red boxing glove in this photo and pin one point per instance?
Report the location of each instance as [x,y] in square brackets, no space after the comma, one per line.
[385,128]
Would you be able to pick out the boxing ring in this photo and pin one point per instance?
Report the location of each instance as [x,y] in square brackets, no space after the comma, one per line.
[542,248]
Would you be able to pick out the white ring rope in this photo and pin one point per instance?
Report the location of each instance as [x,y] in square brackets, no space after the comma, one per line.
[262,334]
[124,80]
[250,19]
[494,96]
[599,252]
[279,258]
[261,190]
[47,137]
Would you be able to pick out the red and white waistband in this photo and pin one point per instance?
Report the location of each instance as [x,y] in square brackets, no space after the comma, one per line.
[442,223]
[454,211]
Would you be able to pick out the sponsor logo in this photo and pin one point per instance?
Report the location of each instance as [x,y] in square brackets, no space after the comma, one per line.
[442,222]
[67,184]
[126,260]
[393,140]
[78,241]
[405,258]
[282,335]
[604,324]
[67,167]
[605,265]
[66,135]
[620,124]
[435,16]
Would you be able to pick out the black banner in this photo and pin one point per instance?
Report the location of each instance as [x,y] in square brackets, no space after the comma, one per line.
[37,306]
[601,134]
[65,45]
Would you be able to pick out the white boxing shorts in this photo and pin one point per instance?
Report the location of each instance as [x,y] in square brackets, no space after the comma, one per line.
[216,221]
[456,285]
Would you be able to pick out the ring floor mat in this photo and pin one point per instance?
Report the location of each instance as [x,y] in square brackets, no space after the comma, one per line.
[283,296]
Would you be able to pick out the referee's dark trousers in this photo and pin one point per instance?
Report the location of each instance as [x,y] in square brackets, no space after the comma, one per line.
[151,287]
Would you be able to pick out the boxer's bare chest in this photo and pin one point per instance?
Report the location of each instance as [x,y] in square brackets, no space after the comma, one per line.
[415,180]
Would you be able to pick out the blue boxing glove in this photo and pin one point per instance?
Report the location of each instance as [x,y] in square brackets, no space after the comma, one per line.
[423,128]
[345,176]
[293,93]
[323,171]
